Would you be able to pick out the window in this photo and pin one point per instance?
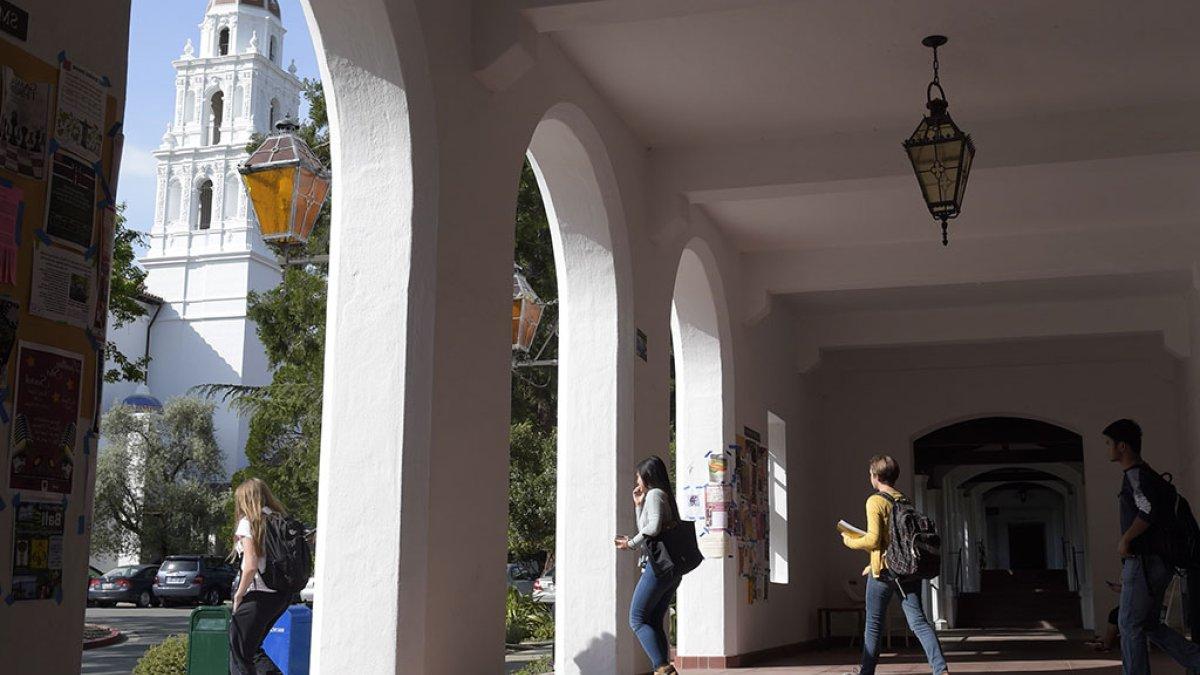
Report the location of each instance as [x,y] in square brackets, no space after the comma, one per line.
[180,565]
[777,449]
[204,204]
[271,50]
[273,114]
[223,42]
[217,113]
[174,200]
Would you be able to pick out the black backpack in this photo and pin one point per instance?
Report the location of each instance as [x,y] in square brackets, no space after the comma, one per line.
[1182,534]
[289,558]
[914,548]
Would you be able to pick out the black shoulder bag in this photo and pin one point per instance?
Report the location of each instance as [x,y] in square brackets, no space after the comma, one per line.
[674,550]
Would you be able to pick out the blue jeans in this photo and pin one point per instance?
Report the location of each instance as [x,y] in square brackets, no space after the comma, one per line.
[1144,582]
[879,594]
[651,599]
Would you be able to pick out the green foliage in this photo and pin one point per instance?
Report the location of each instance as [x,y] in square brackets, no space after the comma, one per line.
[535,390]
[525,619]
[159,481]
[531,490]
[127,282]
[168,657]
[540,667]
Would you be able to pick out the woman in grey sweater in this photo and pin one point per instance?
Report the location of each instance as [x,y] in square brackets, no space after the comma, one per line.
[656,511]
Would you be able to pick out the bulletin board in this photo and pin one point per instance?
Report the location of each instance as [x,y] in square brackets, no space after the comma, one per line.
[752,510]
[57,214]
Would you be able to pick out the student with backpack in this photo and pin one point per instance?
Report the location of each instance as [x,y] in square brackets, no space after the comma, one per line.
[275,565]
[903,545]
[1158,536]
[667,551]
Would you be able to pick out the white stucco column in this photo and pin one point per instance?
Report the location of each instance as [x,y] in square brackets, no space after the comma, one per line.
[373,513]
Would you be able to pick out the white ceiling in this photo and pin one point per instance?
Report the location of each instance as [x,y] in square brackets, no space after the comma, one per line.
[805,67]
[1009,292]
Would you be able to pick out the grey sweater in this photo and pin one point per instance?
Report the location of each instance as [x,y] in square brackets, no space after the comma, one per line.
[652,515]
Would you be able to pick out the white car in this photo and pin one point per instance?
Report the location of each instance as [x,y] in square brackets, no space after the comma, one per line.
[543,588]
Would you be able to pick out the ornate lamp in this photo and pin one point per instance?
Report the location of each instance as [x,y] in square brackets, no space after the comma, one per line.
[287,185]
[527,311]
[940,152]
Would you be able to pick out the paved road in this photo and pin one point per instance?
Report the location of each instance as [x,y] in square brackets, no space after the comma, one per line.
[142,628]
[146,627]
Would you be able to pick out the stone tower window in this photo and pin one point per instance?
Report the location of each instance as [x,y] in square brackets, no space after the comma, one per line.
[205,204]
[223,42]
[217,105]
[271,53]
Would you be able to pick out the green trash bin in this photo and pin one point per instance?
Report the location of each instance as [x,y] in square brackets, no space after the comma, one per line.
[208,641]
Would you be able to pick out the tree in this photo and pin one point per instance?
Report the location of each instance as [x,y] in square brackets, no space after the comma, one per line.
[127,284]
[531,490]
[160,481]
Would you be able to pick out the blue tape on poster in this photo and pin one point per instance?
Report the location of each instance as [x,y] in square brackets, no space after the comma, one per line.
[17,501]
[2,504]
[116,129]
[91,250]
[52,147]
[64,501]
[58,595]
[87,442]
[9,599]
[41,234]
[4,182]
[79,526]
[96,346]
[62,56]
[105,81]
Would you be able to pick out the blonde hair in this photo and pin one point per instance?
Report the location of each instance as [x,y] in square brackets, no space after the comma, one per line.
[249,499]
[885,469]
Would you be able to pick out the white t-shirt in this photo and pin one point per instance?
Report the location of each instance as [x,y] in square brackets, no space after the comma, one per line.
[243,530]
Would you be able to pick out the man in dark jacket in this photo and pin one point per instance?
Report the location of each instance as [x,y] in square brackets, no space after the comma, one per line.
[1146,517]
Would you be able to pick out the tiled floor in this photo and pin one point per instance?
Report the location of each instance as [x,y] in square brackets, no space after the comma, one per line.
[1026,652]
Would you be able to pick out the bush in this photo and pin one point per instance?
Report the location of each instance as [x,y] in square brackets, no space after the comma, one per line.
[540,667]
[168,657]
[524,619]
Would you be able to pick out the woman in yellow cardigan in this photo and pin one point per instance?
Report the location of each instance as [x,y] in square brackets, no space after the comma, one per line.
[881,584]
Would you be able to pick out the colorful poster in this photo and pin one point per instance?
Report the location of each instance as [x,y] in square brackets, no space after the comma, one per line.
[24,125]
[103,274]
[79,120]
[10,213]
[45,415]
[38,550]
[61,287]
[71,203]
[10,316]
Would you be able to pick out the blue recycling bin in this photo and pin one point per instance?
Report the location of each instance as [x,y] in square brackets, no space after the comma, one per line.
[290,640]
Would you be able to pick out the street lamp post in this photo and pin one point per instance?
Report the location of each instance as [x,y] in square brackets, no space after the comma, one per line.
[287,185]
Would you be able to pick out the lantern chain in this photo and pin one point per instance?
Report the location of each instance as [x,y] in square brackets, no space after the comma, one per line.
[935,68]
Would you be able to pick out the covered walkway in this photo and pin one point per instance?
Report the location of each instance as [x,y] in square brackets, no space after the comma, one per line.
[967,651]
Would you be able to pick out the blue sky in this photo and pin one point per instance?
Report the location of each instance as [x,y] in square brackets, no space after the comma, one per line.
[157,33]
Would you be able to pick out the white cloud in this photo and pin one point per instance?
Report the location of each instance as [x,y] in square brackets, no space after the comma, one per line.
[137,162]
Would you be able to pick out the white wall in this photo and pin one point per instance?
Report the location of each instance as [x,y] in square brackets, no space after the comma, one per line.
[880,400]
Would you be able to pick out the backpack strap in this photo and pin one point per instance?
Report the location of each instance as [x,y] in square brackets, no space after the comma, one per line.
[886,496]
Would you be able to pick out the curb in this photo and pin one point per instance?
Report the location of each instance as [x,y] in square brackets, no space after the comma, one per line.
[114,636]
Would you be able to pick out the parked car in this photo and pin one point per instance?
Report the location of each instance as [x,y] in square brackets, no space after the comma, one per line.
[194,579]
[543,587]
[521,577]
[130,583]
[93,573]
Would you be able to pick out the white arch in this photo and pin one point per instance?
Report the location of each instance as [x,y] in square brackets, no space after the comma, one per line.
[704,390]
[595,397]
[376,418]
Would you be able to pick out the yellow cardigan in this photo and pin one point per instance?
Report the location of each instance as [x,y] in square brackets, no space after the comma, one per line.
[879,524]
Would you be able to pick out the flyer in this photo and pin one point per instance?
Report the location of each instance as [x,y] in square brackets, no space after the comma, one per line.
[10,317]
[71,202]
[10,211]
[24,125]
[61,288]
[45,414]
[103,274]
[38,550]
[79,120]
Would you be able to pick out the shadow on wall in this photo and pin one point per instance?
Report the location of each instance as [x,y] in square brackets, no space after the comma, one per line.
[597,657]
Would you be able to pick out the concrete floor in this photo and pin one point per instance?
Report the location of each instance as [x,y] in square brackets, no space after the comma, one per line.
[996,651]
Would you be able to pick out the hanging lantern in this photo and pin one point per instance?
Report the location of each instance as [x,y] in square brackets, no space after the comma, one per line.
[287,186]
[527,311]
[940,152]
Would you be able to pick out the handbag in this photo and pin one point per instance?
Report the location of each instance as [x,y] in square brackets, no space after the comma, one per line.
[674,550]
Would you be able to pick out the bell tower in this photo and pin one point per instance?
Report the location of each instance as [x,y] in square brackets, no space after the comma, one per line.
[205,253]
